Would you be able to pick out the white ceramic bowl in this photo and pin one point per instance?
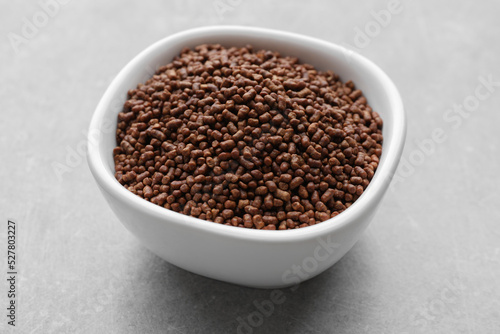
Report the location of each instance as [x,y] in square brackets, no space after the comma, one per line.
[256,258]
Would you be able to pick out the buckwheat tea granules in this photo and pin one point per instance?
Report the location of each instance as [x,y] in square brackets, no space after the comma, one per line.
[247,138]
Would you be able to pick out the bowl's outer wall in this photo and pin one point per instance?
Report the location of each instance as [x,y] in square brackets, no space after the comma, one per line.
[250,262]
[259,265]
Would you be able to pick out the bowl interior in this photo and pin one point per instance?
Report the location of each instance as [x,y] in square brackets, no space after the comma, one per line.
[379,90]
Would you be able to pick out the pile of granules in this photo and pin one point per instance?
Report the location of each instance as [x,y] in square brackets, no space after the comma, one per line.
[247,138]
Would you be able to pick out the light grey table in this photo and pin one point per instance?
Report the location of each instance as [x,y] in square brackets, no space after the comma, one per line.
[429,262]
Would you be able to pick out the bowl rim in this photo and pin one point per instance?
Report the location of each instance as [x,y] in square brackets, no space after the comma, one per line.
[372,194]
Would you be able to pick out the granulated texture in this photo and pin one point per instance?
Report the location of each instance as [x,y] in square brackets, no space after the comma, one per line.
[247,138]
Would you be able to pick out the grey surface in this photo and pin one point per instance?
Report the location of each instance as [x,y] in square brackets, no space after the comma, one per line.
[429,262]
